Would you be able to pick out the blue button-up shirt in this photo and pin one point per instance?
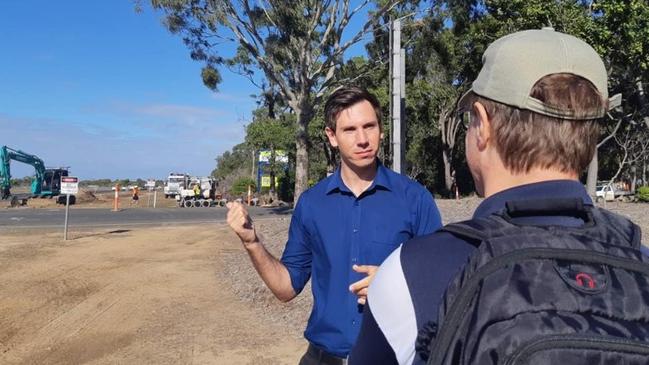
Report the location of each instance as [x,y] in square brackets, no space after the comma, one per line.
[331,230]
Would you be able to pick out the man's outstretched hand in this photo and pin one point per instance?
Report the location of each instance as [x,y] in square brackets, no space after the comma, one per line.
[241,223]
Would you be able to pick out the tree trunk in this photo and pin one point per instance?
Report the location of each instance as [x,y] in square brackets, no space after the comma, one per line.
[634,172]
[252,170]
[644,173]
[304,115]
[330,154]
[273,166]
[643,99]
[448,174]
[449,126]
[591,180]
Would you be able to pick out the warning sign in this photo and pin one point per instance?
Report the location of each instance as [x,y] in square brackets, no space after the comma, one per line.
[69,185]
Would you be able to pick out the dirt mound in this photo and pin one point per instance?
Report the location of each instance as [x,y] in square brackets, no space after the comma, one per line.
[85,196]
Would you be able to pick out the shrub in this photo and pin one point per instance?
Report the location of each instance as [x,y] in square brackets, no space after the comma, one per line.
[642,193]
[240,186]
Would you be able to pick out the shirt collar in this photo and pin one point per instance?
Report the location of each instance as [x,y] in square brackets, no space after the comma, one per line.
[554,189]
[382,179]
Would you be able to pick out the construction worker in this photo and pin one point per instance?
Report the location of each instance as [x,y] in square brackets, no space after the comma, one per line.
[136,195]
[197,191]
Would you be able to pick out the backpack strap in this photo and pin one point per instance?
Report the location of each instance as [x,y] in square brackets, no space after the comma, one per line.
[548,207]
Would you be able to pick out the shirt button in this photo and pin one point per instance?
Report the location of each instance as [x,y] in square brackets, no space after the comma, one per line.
[356,203]
[355,230]
[354,322]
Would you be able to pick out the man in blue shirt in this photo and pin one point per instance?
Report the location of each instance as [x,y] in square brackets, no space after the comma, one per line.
[342,228]
[531,119]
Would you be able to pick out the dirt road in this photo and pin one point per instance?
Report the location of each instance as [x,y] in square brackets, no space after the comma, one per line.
[150,296]
[167,295]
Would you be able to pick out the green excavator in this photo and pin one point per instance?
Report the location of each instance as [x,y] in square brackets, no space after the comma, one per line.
[46,182]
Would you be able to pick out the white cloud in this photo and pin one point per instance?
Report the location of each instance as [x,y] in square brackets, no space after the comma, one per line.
[219,96]
[136,141]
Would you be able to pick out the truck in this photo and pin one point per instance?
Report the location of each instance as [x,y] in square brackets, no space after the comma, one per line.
[208,196]
[46,182]
[175,183]
[610,192]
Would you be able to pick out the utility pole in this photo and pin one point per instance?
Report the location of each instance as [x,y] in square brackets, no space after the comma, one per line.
[398,86]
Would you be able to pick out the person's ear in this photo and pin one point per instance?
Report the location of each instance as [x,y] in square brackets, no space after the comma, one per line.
[482,125]
[331,135]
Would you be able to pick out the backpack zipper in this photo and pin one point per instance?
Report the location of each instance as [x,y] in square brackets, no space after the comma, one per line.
[582,342]
[461,303]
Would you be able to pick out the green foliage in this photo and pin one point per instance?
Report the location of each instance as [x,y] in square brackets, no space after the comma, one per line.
[98,182]
[270,133]
[230,161]
[240,186]
[444,46]
[296,46]
[642,193]
[211,77]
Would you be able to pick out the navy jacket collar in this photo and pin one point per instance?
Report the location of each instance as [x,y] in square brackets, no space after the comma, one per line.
[553,189]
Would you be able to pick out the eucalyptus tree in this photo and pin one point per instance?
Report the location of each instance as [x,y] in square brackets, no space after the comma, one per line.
[621,35]
[294,45]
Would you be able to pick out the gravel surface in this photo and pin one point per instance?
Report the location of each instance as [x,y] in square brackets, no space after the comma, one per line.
[294,315]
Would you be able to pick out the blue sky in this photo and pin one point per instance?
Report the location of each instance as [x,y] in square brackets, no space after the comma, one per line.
[110,92]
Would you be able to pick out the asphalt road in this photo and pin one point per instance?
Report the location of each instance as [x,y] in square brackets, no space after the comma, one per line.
[27,218]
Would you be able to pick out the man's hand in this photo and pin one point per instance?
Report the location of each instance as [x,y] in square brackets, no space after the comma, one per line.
[360,287]
[241,223]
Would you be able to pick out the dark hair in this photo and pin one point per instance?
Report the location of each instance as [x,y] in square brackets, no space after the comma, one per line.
[344,98]
[525,139]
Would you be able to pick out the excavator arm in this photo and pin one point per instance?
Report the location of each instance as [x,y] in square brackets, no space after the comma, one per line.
[6,155]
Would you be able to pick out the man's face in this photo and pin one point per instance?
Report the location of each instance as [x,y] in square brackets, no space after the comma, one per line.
[357,135]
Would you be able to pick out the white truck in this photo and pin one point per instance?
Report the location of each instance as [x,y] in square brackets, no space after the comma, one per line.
[175,183]
[208,195]
[609,192]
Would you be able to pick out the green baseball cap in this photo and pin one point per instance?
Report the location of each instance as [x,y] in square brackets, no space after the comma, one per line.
[513,64]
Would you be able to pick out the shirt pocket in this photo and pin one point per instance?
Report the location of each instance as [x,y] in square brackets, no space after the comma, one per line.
[385,238]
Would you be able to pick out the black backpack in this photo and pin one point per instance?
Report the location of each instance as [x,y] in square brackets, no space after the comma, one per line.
[545,294]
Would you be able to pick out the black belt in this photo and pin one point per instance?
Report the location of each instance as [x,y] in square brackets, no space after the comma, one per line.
[324,357]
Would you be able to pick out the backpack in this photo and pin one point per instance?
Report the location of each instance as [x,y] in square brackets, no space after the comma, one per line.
[536,294]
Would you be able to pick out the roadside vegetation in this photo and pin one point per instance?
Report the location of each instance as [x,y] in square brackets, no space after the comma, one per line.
[297,55]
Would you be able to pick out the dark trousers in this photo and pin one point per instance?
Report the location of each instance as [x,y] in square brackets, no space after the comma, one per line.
[316,356]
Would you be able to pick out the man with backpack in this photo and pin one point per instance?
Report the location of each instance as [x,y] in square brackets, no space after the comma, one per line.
[539,275]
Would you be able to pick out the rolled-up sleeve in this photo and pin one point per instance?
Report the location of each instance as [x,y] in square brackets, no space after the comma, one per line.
[297,256]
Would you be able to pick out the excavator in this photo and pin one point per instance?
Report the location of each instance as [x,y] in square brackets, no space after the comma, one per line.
[46,182]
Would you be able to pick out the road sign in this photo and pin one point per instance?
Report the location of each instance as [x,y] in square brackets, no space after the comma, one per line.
[280,156]
[265,181]
[69,185]
[150,184]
